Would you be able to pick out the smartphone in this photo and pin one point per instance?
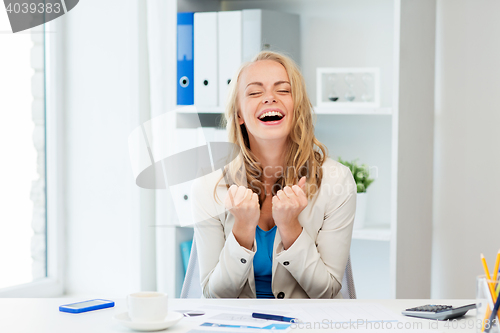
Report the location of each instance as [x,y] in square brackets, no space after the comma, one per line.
[94,304]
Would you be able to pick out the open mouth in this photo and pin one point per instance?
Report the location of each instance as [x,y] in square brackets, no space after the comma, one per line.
[271,116]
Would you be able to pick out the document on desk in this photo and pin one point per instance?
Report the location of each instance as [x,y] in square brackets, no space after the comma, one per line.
[234,319]
[343,316]
[343,312]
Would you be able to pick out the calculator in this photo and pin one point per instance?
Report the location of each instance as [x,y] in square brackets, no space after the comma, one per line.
[438,312]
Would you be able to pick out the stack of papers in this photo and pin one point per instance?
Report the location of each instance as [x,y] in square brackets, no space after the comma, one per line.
[315,316]
[233,319]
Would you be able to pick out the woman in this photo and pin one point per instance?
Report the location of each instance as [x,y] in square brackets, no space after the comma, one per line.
[284,229]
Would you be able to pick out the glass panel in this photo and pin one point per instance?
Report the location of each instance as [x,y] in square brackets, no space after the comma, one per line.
[22,156]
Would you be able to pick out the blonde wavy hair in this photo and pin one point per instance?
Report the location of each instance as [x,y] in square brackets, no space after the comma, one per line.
[304,155]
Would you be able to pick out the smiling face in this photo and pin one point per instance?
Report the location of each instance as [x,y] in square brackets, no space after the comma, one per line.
[265,101]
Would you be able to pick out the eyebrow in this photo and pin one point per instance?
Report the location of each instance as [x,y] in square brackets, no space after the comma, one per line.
[277,83]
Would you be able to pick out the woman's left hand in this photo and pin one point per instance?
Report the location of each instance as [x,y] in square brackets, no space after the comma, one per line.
[287,205]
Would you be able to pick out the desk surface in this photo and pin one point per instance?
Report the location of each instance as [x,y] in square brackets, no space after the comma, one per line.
[28,315]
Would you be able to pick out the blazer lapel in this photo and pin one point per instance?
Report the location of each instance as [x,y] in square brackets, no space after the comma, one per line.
[277,241]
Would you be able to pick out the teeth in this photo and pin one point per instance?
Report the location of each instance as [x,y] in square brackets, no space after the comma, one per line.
[271,113]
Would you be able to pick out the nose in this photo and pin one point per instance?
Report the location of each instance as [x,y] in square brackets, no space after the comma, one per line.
[269,99]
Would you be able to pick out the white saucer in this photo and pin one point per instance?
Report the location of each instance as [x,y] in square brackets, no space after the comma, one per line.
[171,319]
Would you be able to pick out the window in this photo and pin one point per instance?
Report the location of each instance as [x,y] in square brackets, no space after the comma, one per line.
[22,150]
[30,265]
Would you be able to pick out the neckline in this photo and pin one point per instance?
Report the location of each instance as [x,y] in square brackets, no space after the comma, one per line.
[267,230]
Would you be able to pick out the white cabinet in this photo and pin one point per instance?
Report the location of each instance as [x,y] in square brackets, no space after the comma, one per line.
[391,257]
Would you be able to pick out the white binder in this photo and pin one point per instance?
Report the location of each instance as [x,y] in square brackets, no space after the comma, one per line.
[205,59]
[230,49]
[243,34]
[220,135]
[252,33]
[205,135]
[185,139]
[270,30]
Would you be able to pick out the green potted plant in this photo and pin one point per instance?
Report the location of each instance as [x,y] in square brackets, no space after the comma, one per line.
[361,174]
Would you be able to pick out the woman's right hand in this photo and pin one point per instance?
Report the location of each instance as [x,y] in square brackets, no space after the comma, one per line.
[243,203]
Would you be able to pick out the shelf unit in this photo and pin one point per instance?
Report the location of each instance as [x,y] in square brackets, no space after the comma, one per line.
[396,36]
[317,110]
[376,233]
[353,111]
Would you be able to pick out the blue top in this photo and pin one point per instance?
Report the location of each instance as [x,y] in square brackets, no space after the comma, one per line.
[263,262]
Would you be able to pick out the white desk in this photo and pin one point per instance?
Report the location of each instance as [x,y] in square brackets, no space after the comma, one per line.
[30,315]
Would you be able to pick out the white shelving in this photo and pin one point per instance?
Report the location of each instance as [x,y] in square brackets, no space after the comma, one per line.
[318,110]
[395,138]
[353,111]
[376,233]
[195,109]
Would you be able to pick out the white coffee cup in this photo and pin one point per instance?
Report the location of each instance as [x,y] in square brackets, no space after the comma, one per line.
[147,306]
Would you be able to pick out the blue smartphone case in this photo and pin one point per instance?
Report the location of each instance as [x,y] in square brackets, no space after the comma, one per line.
[108,304]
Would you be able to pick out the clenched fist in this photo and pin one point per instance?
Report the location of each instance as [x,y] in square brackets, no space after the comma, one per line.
[244,205]
[287,205]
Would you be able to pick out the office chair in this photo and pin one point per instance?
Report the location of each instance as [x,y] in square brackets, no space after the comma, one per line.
[191,287]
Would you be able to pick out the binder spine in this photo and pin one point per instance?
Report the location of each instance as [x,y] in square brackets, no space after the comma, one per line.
[230,49]
[205,59]
[185,61]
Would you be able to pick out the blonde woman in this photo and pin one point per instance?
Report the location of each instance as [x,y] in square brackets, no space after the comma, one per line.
[284,231]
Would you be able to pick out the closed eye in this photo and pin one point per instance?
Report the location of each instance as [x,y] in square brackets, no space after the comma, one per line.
[284,91]
[254,93]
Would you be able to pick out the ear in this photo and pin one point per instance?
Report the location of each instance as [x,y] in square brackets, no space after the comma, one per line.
[240,119]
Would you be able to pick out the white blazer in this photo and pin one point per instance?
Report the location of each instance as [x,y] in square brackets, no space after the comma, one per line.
[312,267]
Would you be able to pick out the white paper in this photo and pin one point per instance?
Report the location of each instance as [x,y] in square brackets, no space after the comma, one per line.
[237,316]
[337,312]
[360,316]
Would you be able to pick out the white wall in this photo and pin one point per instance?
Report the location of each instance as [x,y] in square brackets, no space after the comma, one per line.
[103,87]
[324,23]
[102,102]
[467,154]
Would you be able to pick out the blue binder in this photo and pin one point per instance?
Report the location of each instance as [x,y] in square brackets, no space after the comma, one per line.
[185,63]
[186,253]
